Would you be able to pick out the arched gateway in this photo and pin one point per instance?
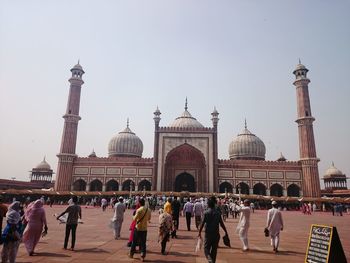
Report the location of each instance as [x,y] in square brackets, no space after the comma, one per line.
[185,182]
[185,170]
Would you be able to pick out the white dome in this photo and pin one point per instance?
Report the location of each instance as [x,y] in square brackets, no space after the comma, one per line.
[333,171]
[247,146]
[125,143]
[43,165]
[186,121]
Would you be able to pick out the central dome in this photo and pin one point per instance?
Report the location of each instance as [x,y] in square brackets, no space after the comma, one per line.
[125,143]
[247,146]
[186,120]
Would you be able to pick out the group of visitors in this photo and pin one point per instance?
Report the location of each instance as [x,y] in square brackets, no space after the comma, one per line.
[29,225]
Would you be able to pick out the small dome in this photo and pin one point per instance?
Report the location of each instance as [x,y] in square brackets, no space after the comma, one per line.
[281,158]
[333,171]
[300,66]
[92,154]
[247,146]
[43,165]
[186,120]
[125,143]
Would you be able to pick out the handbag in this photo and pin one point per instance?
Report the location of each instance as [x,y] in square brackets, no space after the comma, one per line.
[226,240]
[266,232]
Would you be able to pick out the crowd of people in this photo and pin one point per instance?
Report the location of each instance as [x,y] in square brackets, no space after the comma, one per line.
[28,223]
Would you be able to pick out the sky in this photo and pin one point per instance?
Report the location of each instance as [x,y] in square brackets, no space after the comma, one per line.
[235,55]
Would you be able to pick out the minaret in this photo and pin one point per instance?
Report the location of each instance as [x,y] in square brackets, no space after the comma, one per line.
[70,129]
[156,119]
[307,149]
[215,120]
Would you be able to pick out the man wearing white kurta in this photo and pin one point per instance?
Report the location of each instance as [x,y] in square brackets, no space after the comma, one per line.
[118,217]
[243,224]
[274,225]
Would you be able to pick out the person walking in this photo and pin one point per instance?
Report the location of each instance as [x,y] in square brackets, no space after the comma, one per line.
[74,213]
[3,211]
[212,219]
[118,217]
[175,207]
[36,220]
[104,204]
[198,211]
[11,236]
[274,225]
[167,206]
[165,227]
[243,224]
[188,212]
[142,216]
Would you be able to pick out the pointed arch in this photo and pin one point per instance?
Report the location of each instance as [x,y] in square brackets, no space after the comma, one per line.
[112,185]
[243,187]
[259,189]
[225,187]
[276,190]
[127,184]
[293,190]
[79,185]
[145,185]
[96,185]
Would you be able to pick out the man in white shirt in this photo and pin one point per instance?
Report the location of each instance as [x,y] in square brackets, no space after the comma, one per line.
[188,212]
[198,213]
[118,217]
[243,224]
[274,225]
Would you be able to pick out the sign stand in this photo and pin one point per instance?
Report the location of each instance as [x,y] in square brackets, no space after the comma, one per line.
[324,245]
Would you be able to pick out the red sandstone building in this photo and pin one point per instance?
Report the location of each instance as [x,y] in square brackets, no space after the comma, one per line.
[186,156]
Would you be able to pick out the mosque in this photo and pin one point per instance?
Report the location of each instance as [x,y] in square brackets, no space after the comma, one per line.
[186,156]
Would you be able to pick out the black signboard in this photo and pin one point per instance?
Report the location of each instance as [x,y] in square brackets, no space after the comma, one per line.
[324,246]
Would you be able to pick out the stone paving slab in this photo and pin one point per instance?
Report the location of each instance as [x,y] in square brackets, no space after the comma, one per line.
[95,242]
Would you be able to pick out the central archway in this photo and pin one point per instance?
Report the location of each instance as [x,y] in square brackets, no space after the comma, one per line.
[185,169]
[185,182]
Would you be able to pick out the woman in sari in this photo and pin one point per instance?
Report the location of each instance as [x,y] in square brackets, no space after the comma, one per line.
[11,235]
[36,218]
[165,227]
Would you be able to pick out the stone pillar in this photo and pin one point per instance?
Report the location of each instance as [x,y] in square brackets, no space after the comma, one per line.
[104,188]
[268,192]
[136,187]
[87,187]
[120,186]
[285,192]
[251,191]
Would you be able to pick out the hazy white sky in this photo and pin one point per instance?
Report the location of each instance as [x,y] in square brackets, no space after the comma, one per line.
[235,55]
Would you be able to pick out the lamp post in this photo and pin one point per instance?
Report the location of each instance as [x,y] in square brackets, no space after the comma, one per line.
[239,193]
[131,185]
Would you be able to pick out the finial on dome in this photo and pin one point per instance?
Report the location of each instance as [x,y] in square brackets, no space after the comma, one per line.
[127,123]
[332,163]
[79,61]
[245,123]
[44,158]
[299,61]
[186,104]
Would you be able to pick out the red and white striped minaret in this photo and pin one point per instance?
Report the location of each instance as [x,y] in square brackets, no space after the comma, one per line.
[307,148]
[70,130]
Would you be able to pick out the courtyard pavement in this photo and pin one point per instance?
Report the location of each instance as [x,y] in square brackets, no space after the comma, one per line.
[95,242]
